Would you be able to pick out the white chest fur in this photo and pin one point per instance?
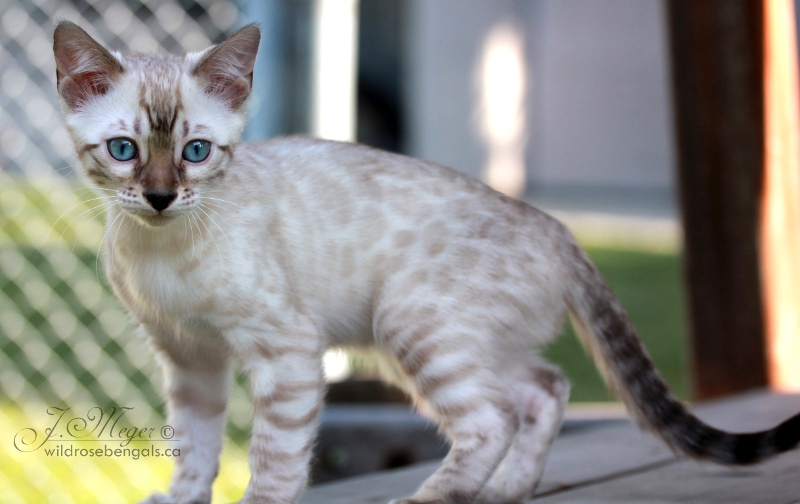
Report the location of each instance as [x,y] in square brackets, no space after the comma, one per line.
[163,278]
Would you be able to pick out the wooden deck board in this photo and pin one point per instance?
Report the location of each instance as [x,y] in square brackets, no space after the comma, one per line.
[612,461]
[776,481]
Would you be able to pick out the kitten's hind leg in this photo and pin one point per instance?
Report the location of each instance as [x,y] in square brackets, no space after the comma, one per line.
[540,394]
[479,441]
[448,378]
[197,384]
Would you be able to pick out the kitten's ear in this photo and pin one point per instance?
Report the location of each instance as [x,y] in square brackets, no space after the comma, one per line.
[226,70]
[84,68]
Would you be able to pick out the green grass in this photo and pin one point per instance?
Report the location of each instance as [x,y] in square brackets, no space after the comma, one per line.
[649,287]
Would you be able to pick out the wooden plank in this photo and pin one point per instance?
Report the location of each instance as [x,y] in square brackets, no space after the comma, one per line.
[775,481]
[690,481]
[592,455]
[371,489]
[608,449]
[717,74]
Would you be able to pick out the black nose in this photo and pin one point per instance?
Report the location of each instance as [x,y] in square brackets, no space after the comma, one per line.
[159,200]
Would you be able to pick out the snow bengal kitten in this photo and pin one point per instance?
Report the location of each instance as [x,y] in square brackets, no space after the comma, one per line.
[268,253]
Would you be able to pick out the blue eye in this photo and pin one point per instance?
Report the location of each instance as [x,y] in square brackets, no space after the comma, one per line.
[122,149]
[196,151]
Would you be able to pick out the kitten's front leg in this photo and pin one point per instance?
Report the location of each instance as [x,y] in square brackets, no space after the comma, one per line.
[197,384]
[286,379]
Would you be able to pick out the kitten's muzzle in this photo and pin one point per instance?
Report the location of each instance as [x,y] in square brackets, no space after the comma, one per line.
[159,200]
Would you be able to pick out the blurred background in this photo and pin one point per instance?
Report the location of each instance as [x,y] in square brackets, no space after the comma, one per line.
[565,103]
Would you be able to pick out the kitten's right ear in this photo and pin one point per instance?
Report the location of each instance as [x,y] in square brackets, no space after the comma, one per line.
[84,68]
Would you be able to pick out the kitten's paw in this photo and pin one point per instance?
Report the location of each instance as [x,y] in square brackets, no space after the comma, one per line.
[158,499]
[167,499]
[415,500]
[430,498]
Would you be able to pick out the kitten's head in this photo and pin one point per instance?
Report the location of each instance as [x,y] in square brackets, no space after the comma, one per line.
[155,128]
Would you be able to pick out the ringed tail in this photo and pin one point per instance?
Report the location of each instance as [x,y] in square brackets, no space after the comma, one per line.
[606,331]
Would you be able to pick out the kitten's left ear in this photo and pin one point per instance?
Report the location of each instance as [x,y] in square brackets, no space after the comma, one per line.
[226,70]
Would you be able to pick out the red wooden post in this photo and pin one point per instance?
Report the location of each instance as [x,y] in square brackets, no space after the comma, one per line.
[717,61]
[734,71]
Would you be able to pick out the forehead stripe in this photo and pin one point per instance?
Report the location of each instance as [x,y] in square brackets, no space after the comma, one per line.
[162,111]
[163,108]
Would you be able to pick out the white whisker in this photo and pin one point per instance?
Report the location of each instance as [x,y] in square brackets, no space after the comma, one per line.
[102,207]
[202,205]
[100,247]
[60,218]
[191,234]
[230,246]
[124,216]
[71,168]
[209,231]
[185,230]
[222,200]
[141,230]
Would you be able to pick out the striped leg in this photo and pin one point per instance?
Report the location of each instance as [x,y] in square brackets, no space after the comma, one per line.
[197,385]
[287,393]
[448,378]
[478,444]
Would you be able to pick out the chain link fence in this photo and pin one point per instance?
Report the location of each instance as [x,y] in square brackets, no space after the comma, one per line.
[65,342]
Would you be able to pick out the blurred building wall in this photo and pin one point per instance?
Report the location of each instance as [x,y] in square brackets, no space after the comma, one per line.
[596,91]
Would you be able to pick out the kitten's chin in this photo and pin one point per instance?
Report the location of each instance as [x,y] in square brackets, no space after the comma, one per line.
[155,220]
